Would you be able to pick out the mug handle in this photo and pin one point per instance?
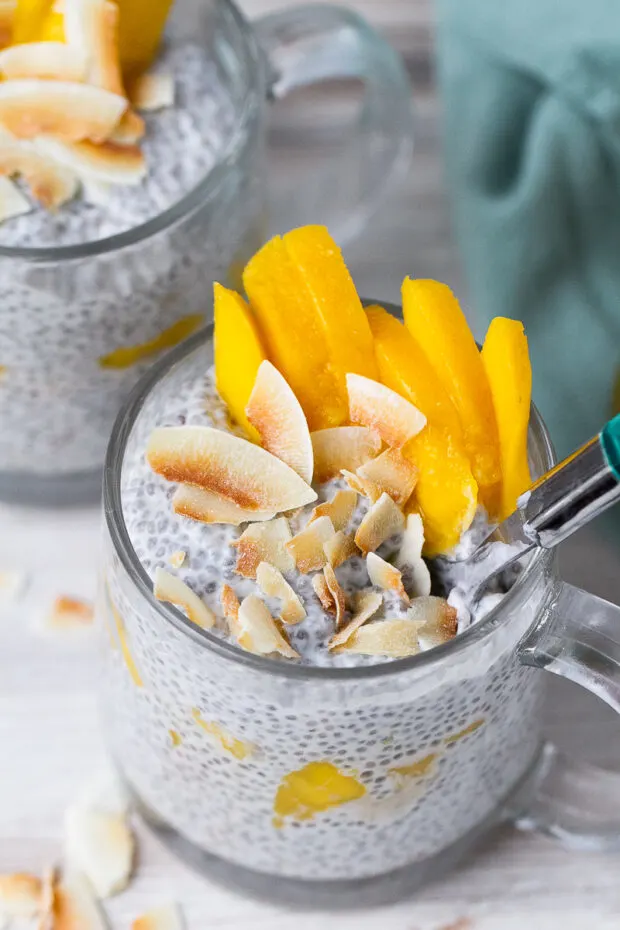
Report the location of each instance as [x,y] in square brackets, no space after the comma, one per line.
[305,46]
[577,637]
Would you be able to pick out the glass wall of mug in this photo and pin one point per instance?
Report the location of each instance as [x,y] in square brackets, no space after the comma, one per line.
[222,750]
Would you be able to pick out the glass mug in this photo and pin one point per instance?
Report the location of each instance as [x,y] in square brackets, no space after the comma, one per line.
[67,311]
[435,749]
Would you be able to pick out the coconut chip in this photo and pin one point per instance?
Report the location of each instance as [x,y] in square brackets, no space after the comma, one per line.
[47,906]
[392,473]
[152,90]
[277,416]
[20,895]
[54,61]
[71,111]
[50,183]
[410,559]
[385,576]
[323,593]
[306,547]
[107,163]
[339,548]
[392,638]
[273,584]
[225,464]
[264,542]
[172,590]
[382,520]
[376,406]
[198,504]
[342,447]
[339,509]
[100,846]
[337,594]
[258,632]
[230,608]
[177,558]
[167,917]
[437,621]
[130,130]
[75,908]
[70,613]
[12,201]
[92,29]
[365,604]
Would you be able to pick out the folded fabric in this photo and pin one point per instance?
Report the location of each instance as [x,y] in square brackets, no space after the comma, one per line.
[531,96]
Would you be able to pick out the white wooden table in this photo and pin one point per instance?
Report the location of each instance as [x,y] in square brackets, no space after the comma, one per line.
[49,740]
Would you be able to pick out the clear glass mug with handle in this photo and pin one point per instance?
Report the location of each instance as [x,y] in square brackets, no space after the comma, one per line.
[69,313]
[224,752]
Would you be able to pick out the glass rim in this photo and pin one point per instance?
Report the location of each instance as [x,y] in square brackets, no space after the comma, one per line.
[190,201]
[115,522]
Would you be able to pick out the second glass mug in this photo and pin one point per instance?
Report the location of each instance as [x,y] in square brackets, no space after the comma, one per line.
[437,748]
[66,310]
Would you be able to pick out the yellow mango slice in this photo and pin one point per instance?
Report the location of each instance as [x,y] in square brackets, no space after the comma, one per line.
[312,320]
[53,26]
[141,27]
[316,787]
[446,495]
[238,354]
[28,20]
[126,356]
[506,361]
[437,323]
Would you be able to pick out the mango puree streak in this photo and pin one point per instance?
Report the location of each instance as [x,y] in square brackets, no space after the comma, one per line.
[315,788]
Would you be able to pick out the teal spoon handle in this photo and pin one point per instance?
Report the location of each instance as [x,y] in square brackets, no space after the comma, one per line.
[610,442]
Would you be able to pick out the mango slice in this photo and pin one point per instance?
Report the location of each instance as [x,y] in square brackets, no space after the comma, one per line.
[52,28]
[437,323]
[316,787]
[312,320]
[126,356]
[446,495]
[28,20]
[141,27]
[238,354]
[506,361]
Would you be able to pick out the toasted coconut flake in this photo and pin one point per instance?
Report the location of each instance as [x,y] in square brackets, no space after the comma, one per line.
[385,576]
[230,603]
[96,193]
[70,613]
[171,589]
[50,183]
[436,620]
[100,846]
[337,594]
[366,604]
[339,548]
[374,405]
[410,559]
[258,632]
[12,201]
[167,917]
[12,584]
[20,895]
[392,473]
[276,414]
[177,558]
[342,447]
[152,90]
[48,900]
[392,638]
[272,583]
[323,593]
[383,520]
[75,908]
[107,163]
[130,130]
[225,464]
[92,29]
[68,110]
[264,542]
[54,61]
[207,507]
[339,509]
[306,547]
[105,791]
[355,482]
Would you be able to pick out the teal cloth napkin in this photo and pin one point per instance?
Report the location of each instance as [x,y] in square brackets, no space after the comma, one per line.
[531,96]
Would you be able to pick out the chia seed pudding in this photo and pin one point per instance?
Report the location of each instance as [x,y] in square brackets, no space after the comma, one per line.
[234,756]
[91,295]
